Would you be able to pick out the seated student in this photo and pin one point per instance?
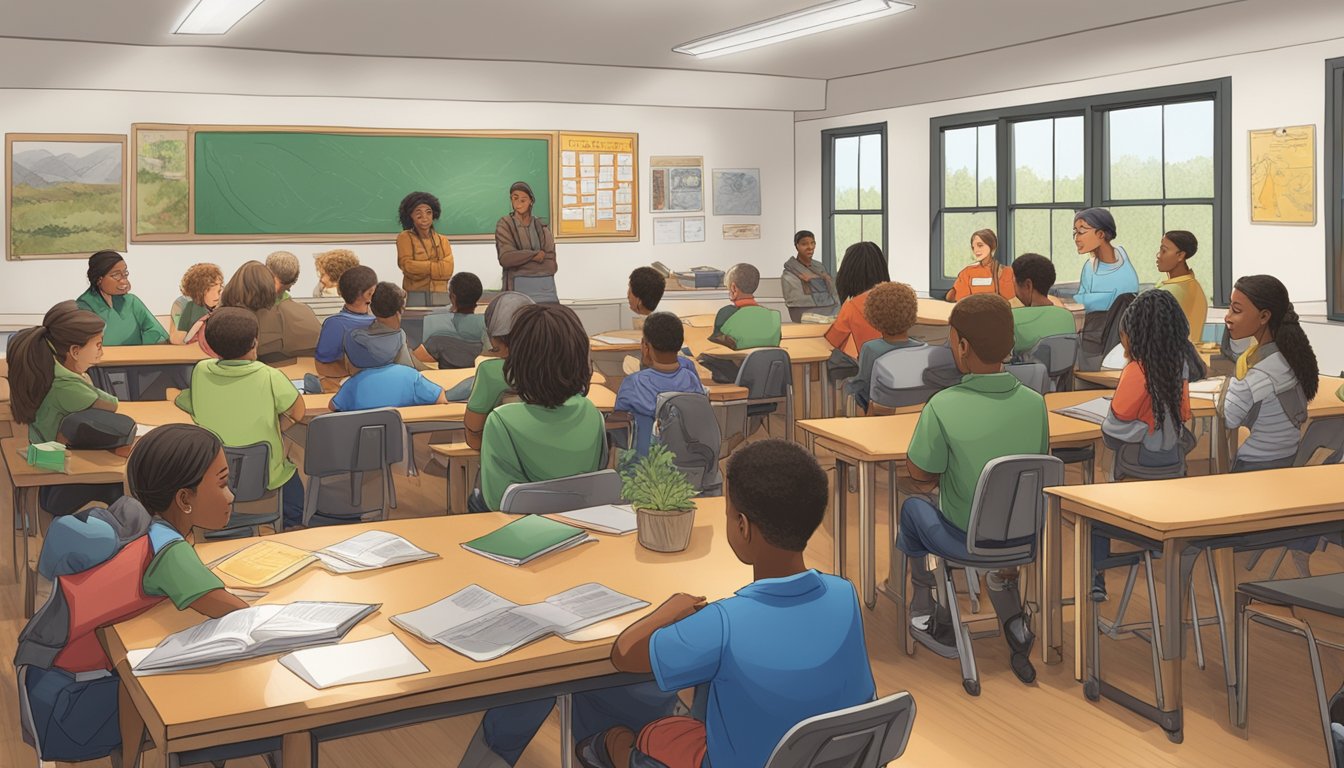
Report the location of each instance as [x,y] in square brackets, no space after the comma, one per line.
[985,274]
[744,324]
[892,309]
[774,498]
[202,285]
[961,429]
[645,290]
[50,389]
[807,288]
[285,267]
[357,286]
[1038,317]
[178,475]
[863,267]
[667,371]
[331,265]
[1172,257]
[382,339]
[241,400]
[454,339]
[488,387]
[285,329]
[128,322]
[1151,402]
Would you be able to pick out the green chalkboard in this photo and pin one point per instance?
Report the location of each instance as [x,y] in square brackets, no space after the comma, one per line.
[312,183]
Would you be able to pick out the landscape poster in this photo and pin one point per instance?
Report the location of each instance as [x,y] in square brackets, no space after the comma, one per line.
[66,194]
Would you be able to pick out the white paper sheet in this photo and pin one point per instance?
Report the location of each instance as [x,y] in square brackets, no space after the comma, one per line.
[568,157]
[624,222]
[378,658]
[571,214]
[667,231]
[693,229]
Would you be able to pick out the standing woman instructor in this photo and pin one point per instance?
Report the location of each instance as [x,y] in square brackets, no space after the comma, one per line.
[526,248]
[424,256]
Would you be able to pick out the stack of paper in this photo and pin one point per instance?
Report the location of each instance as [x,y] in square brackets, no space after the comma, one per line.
[1207,389]
[482,626]
[608,518]
[378,658]
[526,539]
[268,562]
[252,632]
[612,339]
[1093,410]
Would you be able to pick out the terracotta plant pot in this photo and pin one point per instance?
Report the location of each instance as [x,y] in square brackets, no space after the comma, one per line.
[665,531]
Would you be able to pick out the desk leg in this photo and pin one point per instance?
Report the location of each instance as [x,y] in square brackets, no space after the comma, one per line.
[1084,610]
[827,402]
[807,391]
[1225,595]
[298,750]
[1050,585]
[566,704]
[838,517]
[15,497]
[867,532]
[1174,603]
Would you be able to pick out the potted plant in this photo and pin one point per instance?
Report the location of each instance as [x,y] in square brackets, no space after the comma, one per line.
[663,501]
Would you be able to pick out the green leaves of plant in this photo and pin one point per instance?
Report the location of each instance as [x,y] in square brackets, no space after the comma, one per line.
[656,483]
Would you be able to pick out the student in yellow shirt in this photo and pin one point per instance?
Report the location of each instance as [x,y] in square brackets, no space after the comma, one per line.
[1177,247]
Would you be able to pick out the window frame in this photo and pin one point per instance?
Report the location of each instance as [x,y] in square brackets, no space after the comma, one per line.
[1096,167]
[1334,188]
[829,258]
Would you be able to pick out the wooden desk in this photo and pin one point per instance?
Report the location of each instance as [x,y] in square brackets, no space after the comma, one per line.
[152,354]
[934,312]
[1246,503]
[864,443]
[259,699]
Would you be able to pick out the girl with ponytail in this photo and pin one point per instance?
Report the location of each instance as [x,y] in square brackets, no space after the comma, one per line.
[48,368]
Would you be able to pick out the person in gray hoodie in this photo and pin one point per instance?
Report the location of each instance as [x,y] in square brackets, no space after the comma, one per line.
[806,286]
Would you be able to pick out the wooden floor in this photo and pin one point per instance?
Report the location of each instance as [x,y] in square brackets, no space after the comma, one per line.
[1049,723]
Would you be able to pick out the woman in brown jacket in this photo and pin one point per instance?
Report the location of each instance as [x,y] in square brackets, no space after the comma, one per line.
[526,248]
[424,256]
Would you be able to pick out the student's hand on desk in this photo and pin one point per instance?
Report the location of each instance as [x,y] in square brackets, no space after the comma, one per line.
[678,607]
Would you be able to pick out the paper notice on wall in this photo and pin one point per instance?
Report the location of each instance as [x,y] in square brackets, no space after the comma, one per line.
[693,229]
[624,222]
[606,174]
[623,195]
[604,214]
[604,198]
[587,172]
[571,214]
[587,158]
[741,231]
[624,209]
[667,231]
[625,173]
[606,158]
[587,186]
[570,200]
[569,171]
[625,158]
[568,157]
[569,187]
[589,218]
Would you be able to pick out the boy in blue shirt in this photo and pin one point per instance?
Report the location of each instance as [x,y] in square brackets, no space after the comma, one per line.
[666,372]
[385,380]
[760,687]
[356,286]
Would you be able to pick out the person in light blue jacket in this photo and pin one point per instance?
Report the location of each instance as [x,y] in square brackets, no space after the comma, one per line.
[1110,272]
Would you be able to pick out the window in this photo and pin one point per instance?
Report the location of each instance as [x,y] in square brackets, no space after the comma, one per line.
[853,197]
[1158,159]
[1334,186]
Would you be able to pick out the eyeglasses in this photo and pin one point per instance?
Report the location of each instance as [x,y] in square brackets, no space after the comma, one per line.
[1083,231]
[122,275]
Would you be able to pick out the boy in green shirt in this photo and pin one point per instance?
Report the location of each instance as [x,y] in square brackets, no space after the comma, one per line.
[488,386]
[1038,317]
[988,415]
[744,323]
[241,400]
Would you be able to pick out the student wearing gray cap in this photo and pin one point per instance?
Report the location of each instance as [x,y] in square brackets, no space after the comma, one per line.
[489,387]
[526,248]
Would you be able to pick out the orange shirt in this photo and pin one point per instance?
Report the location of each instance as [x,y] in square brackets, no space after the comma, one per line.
[851,330]
[1131,400]
[977,279]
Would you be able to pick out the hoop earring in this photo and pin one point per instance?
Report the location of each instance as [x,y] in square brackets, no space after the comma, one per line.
[186,511]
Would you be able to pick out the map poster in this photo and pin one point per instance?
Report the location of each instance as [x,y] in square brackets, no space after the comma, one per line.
[1283,175]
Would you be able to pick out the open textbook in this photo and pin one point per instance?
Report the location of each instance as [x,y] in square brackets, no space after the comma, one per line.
[482,626]
[268,562]
[1093,410]
[252,632]
[616,519]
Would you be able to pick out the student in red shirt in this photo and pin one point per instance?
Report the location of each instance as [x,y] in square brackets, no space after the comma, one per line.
[862,267]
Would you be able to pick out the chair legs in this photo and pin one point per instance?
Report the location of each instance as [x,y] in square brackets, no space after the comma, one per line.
[947,597]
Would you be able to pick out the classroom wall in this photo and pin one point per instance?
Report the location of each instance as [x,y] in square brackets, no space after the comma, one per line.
[1270,88]
[752,138]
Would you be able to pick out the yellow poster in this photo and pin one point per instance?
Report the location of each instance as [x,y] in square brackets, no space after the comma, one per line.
[1283,175]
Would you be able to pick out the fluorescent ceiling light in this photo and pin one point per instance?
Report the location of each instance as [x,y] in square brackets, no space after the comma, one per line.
[215,17]
[808,21]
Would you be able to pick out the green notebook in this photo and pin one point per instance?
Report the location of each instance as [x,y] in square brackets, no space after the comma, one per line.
[526,539]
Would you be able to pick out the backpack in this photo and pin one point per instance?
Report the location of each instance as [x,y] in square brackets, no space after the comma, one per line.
[686,425]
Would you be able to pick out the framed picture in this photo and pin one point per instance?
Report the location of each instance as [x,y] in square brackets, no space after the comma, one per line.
[160,190]
[737,191]
[66,194]
[1283,175]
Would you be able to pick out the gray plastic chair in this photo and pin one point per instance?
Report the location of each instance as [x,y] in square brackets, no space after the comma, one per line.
[866,736]
[686,425]
[898,377]
[1323,434]
[1033,375]
[1058,354]
[349,465]
[565,494]
[768,377]
[1007,512]
[249,476]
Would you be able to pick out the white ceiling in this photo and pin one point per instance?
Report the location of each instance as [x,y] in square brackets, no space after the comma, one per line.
[638,33]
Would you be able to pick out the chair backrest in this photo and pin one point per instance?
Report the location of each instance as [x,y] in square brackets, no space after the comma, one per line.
[1033,375]
[349,460]
[1101,333]
[898,377]
[1009,504]
[766,374]
[1058,354]
[866,736]
[563,494]
[686,425]
[1323,434]
[249,471]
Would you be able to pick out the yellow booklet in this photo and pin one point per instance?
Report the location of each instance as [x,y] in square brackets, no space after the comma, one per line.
[265,563]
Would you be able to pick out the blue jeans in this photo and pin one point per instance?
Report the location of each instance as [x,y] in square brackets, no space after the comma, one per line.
[509,729]
[924,530]
[291,499]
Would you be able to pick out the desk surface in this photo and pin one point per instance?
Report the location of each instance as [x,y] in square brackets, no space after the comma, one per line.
[82,466]
[887,438]
[263,697]
[1324,404]
[1212,504]
[153,354]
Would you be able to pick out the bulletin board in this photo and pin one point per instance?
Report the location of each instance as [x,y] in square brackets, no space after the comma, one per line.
[598,193]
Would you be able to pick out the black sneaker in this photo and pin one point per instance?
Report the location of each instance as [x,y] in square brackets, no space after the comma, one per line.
[1020,640]
[934,631]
